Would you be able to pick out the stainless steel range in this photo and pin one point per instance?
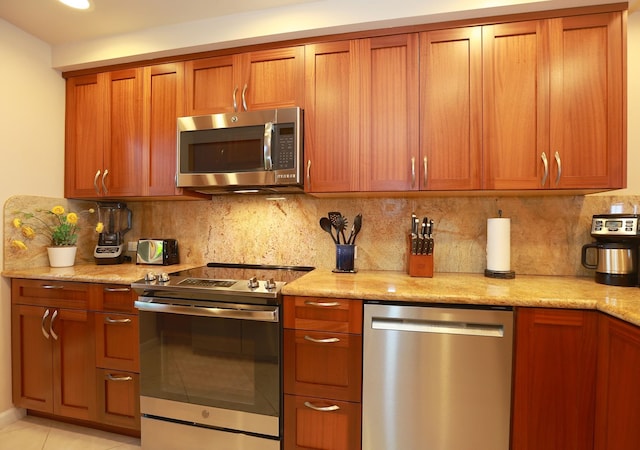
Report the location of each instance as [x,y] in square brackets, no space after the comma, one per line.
[210,357]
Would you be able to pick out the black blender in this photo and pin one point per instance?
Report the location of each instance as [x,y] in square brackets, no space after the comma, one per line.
[115,218]
[616,249]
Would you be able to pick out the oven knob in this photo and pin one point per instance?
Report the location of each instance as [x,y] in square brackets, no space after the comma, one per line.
[254,283]
[150,276]
[163,277]
[270,284]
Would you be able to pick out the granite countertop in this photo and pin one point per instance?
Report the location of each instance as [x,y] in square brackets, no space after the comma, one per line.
[463,288]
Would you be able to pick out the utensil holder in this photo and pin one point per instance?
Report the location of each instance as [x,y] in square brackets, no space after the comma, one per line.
[345,258]
[420,265]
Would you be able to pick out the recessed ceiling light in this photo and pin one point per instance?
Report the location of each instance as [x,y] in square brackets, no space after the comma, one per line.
[77,4]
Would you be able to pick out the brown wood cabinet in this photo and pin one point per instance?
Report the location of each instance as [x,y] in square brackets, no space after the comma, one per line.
[554,379]
[322,373]
[553,103]
[618,390]
[75,351]
[246,81]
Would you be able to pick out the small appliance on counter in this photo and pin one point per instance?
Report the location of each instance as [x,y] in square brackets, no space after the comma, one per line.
[116,220]
[163,252]
[616,249]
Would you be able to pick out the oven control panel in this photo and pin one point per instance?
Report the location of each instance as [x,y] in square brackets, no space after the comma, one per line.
[612,225]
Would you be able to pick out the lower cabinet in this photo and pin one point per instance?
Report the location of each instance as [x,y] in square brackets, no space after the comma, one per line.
[322,373]
[71,355]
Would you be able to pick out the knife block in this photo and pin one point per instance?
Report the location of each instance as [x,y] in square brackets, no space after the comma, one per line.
[419,265]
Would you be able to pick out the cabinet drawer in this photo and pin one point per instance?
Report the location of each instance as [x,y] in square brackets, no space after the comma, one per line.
[62,294]
[317,423]
[323,364]
[118,398]
[118,298]
[117,341]
[323,314]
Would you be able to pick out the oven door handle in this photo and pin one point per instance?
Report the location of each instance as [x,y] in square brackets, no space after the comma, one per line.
[269,314]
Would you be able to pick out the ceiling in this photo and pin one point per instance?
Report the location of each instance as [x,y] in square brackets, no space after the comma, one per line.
[55,23]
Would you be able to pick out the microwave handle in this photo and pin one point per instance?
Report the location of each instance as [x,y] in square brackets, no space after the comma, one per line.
[268,131]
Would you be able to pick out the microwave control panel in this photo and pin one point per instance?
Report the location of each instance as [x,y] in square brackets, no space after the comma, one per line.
[283,152]
[612,225]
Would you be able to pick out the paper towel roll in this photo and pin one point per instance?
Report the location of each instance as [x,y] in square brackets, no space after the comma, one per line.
[499,244]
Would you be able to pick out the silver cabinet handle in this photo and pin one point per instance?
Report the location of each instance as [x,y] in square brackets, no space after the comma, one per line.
[425,167]
[413,172]
[104,178]
[545,161]
[321,408]
[309,172]
[95,182]
[52,286]
[53,317]
[559,163]
[244,100]
[120,289]
[235,103]
[117,378]
[110,320]
[321,304]
[44,317]
[322,341]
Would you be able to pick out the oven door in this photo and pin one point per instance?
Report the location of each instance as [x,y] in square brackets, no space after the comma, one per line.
[212,364]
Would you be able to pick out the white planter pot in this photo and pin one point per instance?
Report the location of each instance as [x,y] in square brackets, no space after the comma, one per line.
[62,256]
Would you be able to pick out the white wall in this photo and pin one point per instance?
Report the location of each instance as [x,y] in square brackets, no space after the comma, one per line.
[31,147]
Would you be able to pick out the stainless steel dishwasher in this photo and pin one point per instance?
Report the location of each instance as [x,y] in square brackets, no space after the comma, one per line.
[436,378]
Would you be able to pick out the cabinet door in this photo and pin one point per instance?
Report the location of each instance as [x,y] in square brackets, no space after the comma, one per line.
[586,102]
[516,93]
[74,364]
[118,398]
[311,423]
[332,114]
[117,341]
[389,113]
[123,140]
[555,372]
[451,109]
[211,85]
[32,357]
[618,391]
[273,78]
[84,132]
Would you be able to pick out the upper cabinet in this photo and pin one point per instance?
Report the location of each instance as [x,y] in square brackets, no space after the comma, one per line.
[553,104]
[246,81]
[361,120]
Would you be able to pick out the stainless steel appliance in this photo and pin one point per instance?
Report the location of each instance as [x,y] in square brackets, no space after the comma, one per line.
[616,249]
[162,252]
[116,220]
[210,357]
[246,151]
[436,378]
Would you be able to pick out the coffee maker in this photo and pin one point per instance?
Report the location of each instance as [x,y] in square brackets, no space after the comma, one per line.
[616,249]
[116,220]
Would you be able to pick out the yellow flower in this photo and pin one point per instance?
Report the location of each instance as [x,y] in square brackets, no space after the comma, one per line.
[99,227]
[19,244]
[57,210]
[17,223]
[28,232]
[72,218]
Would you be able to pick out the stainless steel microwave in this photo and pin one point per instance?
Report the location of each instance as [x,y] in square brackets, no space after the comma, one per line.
[255,151]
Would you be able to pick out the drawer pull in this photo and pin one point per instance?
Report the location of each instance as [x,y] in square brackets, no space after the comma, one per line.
[53,317]
[120,289]
[52,286]
[110,320]
[44,317]
[321,304]
[117,378]
[322,341]
[321,408]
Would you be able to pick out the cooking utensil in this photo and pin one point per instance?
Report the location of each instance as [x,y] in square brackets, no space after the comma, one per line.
[325,224]
[355,229]
[341,225]
[334,217]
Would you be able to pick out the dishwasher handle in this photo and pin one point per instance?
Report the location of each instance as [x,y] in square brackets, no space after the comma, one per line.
[437,327]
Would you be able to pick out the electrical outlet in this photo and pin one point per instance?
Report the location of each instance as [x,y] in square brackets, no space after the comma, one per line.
[132,246]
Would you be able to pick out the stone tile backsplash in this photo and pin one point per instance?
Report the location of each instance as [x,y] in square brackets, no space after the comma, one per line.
[547,232]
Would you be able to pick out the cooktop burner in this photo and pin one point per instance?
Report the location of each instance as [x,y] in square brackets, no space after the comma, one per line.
[217,281]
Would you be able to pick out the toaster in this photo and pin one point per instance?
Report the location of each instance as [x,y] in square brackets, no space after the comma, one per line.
[162,252]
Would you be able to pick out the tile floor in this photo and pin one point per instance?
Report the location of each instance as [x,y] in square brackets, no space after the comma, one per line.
[35,433]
